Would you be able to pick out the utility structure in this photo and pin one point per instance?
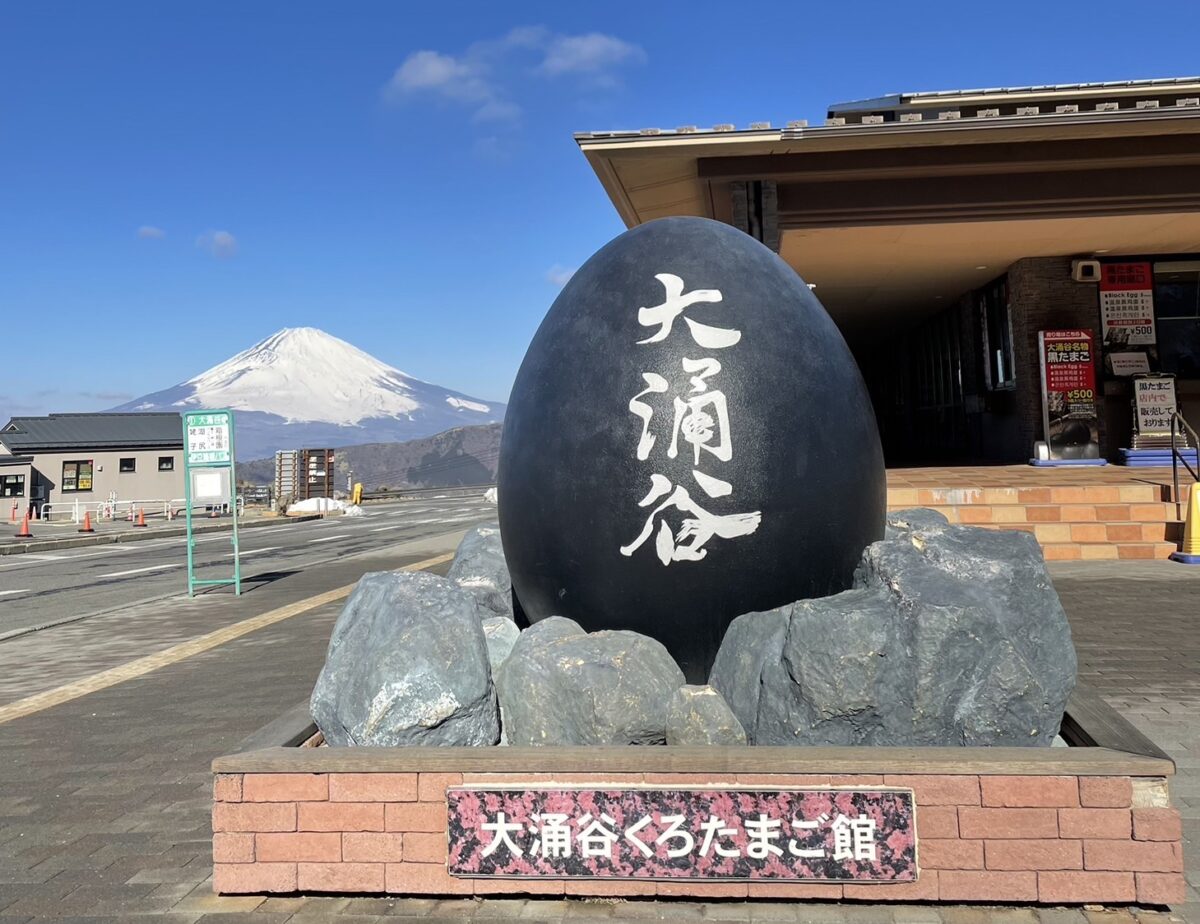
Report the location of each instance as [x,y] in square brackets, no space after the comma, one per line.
[304,473]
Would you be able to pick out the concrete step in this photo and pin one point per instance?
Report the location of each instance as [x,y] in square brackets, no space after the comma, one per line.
[1092,551]
[1095,521]
[997,514]
[1087,494]
[1046,533]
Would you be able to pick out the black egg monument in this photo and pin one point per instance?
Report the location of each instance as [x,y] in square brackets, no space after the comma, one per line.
[688,439]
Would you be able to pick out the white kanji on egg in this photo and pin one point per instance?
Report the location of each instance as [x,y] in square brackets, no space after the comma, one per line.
[688,543]
[676,303]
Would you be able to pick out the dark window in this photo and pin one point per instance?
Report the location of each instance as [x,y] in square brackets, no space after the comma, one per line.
[994,316]
[77,476]
[127,466]
[12,485]
[1177,316]
[166,463]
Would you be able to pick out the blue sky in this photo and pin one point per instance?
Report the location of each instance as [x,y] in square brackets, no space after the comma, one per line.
[179,181]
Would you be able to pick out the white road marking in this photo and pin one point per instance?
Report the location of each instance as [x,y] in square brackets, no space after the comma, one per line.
[43,557]
[270,548]
[17,560]
[379,529]
[142,570]
[5,593]
[330,538]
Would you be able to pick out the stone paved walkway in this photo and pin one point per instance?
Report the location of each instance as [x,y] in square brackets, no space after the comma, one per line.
[104,800]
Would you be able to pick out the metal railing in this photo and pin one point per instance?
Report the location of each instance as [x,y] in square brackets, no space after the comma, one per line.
[401,493]
[1181,428]
[125,509]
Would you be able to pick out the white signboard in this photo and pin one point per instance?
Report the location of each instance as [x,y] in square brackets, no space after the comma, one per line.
[208,438]
[1129,363]
[208,485]
[1154,399]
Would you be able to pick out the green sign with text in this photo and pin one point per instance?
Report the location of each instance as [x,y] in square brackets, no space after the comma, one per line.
[209,437]
[210,483]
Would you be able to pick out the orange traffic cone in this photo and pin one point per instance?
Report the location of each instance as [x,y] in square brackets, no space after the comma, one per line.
[87,523]
[24,531]
[141,520]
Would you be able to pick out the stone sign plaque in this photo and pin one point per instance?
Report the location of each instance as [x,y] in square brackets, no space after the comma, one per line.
[824,835]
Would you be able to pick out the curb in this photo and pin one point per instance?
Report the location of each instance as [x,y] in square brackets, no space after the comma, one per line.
[50,545]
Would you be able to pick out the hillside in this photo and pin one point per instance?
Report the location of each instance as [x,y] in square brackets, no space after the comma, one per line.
[464,455]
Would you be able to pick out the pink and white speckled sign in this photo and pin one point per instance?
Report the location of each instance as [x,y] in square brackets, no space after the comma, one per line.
[823,835]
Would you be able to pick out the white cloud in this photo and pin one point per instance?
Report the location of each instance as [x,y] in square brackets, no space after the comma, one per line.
[150,232]
[221,244]
[588,54]
[431,70]
[497,110]
[461,80]
[482,77]
[558,275]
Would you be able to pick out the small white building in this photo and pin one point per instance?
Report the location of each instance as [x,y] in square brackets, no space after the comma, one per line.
[90,457]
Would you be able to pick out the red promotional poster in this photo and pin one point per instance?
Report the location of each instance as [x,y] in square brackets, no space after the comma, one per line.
[1069,394]
[1070,369]
[1127,304]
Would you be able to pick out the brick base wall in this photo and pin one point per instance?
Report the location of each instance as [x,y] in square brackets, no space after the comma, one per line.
[1047,839]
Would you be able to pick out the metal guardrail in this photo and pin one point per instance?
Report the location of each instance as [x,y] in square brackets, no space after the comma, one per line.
[124,509]
[1180,427]
[422,492]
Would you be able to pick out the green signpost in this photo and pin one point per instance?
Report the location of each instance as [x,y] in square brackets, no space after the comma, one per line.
[209,479]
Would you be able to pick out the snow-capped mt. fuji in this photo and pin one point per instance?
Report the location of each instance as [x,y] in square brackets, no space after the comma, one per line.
[304,387]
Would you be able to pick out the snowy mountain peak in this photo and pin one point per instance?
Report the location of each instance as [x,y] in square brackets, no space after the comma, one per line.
[305,374]
[302,386]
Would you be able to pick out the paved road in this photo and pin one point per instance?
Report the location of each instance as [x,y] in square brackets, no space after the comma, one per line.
[41,588]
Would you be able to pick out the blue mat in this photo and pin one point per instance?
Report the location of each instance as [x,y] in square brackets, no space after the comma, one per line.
[1054,463]
[1145,458]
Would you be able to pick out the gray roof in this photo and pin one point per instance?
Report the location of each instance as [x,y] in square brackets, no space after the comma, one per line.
[1112,89]
[92,431]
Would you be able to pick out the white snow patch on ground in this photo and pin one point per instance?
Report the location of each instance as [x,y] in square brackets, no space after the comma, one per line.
[468,405]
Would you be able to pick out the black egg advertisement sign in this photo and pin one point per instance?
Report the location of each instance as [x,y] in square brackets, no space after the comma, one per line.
[688,439]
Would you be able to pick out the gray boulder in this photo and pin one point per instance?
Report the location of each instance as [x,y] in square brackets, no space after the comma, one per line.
[700,715]
[479,568]
[407,665]
[752,643]
[561,685]
[952,635]
[500,634]
[902,522]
